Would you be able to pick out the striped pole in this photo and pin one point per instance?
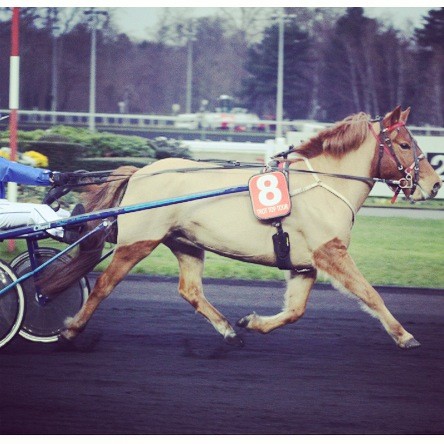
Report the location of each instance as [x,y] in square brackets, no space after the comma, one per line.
[14,77]
[14,73]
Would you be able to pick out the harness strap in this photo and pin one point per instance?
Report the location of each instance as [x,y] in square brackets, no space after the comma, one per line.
[319,183]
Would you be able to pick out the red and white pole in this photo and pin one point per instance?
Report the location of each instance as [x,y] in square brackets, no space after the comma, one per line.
[14,88]
[14,81]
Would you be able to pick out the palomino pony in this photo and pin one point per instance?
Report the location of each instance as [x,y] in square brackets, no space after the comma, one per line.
[339,166]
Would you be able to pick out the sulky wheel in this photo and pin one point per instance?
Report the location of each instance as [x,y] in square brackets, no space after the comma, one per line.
[12,305]
[44,318]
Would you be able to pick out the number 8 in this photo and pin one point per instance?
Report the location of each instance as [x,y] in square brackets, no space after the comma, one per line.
[267,184]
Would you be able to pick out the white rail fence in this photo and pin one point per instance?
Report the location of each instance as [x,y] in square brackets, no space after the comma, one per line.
[160,121]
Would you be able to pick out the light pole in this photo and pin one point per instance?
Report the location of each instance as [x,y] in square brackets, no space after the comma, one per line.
[191,37]
[54,79]
[280,76]
[93,15]
[280,72]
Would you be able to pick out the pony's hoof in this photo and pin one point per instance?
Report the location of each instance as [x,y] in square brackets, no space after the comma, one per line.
[411,343]
[234,340]
[64,345]
[243,322]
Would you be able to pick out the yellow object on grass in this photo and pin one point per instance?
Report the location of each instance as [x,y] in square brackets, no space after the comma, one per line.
[32,158]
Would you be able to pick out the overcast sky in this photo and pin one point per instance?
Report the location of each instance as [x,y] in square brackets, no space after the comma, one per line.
[136,22]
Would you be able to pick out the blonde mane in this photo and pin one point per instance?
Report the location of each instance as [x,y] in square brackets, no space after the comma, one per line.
[343,137]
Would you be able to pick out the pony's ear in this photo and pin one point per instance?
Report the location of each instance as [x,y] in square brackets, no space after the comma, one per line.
[405,115]
[393,117]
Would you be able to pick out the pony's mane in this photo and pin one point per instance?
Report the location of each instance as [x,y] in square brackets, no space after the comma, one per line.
[343,137]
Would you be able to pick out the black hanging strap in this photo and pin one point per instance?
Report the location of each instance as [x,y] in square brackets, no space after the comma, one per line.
[281,244]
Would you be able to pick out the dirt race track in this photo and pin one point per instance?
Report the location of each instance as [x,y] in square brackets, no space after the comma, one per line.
[158,368]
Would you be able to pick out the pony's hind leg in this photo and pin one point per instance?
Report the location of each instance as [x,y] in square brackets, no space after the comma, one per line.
[298,289]
[191,264]
[334,259]
[124,259]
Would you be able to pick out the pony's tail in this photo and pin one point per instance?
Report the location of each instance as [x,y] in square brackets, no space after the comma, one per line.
[64,273]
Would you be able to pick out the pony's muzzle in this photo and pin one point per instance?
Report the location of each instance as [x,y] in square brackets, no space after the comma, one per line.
[435,189]
[424,192]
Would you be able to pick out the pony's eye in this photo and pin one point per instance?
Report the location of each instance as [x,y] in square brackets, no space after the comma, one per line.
[404,146]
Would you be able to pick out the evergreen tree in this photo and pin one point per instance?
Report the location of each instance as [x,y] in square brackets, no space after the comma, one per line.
[260,86]
[351,66]
[430,41]
[431,36]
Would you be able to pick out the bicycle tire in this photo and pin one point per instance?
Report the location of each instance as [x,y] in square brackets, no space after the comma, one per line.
[12,305]
[43,322]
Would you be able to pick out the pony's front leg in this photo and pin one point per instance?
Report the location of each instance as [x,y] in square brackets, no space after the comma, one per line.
[334,259]
[298,289]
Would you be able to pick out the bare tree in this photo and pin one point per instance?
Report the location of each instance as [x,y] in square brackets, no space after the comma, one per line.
[249,23]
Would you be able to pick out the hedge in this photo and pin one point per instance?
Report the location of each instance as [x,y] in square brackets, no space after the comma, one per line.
[69,148]
[104,144]
[62,156]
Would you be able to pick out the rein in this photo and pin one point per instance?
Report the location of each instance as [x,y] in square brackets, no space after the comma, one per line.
[78,179]
[368,180]
[65,182]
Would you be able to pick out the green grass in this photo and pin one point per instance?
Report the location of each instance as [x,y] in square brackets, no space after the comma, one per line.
[388,251]
[400,251]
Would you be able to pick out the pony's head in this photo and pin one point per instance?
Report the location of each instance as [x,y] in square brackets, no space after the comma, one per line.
[399,157]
